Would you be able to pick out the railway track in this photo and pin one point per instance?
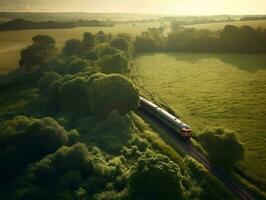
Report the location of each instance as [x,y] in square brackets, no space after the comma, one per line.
[188,147]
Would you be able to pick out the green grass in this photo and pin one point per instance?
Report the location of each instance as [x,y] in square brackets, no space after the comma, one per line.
[11,42]
[217,26]
[214,90]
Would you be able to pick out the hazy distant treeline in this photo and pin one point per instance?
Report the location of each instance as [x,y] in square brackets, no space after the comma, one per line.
[231,39]
[17,24]
[250,18]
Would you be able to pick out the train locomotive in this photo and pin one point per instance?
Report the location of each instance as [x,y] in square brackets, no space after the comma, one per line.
[165,117]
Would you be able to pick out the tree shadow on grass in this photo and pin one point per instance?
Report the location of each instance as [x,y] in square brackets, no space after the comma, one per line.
[247,62]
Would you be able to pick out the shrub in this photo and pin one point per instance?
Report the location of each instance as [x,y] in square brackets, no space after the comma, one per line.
[155,176]
[115,63]
[24,140]
[76,65]
[73,47]
[223,148]
[73,96]
[113,92]
[46,80]
[41,51]
[120,43]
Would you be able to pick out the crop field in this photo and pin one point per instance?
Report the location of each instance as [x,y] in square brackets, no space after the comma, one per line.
[11,42]
[218,26]
[213,90]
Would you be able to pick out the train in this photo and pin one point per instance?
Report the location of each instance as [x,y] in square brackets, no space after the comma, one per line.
[179,127]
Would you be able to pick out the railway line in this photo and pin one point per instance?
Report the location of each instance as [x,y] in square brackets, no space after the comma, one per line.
[188,147]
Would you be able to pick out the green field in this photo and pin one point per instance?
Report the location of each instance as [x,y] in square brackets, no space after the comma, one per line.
[218,26]
[11,42]
[214,90]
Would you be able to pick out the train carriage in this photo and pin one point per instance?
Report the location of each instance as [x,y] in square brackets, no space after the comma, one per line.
[168,119]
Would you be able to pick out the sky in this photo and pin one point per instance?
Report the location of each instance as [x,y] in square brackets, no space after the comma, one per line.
[169,7]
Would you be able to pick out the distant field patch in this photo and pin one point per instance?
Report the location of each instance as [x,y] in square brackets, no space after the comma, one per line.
[218,26]
[11,42]
[214,90]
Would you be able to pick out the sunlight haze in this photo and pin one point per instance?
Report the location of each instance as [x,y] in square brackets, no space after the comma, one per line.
[173,7]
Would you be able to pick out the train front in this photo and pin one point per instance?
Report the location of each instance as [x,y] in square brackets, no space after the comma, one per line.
[186,132]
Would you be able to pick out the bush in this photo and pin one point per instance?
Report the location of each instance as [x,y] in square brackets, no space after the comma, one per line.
[73,47]
[46,80]
[223,148]
[155,177]
[120,43]
[24,140]
[73,95]
[113,92]
[88,41]
[91,55]
[63,163]
[115,63]
[76,65]
[41,51]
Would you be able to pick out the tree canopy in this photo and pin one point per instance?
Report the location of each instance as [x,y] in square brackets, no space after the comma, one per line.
[113,92]
[115,63]
[223,148]
[24,140]
[155,177]
[41,51]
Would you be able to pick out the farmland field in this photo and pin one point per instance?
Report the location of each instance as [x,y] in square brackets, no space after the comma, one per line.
[217,26]
[214,90]
[11,42]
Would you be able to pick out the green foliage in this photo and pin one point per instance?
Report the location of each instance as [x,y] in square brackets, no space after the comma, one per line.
[113,92]
[105,49]
[73,96]
[211,187]
[46,80]
[223,148]
[76,65]
[230,39]
[24,140]
[120,43]
[41,51]
[62,164]
[91,55]
[115,63]
[101,37]
[155,176]
[73,47]
[73,137]
[88,41]
[110,134]
[151,40]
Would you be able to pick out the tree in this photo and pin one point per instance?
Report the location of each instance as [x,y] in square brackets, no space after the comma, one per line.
[73,47]
[76,65]
[24,140]
[112,92]
[73,95]
[120,43]
[155,177]
[101,37]
[116,63]
[91,55]
[46,80]
[41,51]
[105,49]
[223,148]
[88,41]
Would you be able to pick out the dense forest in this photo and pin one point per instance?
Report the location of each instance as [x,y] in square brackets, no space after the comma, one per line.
[68,128]
[17,24]
[231,39]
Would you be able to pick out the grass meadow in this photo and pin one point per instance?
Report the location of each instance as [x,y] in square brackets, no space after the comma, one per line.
[213,90]
[11,42]
[220,25]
